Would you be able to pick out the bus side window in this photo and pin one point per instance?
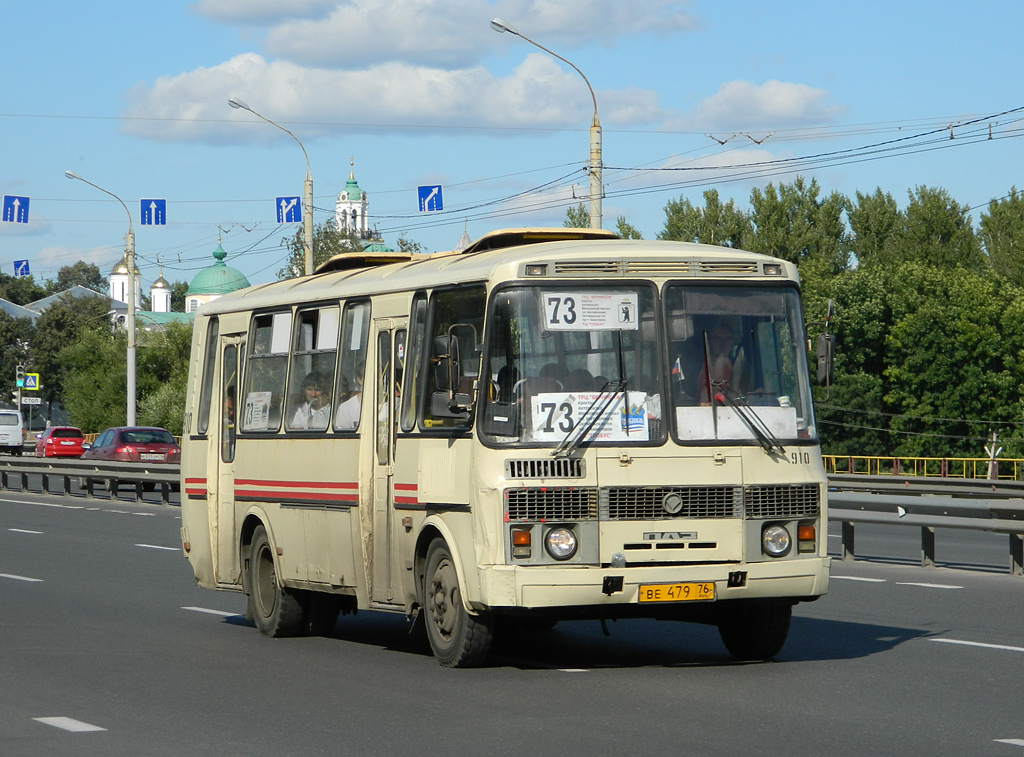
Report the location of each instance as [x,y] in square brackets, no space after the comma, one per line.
[206,388]
[262,403]
[414,362]
[227,437]
[355,331]
[311,383]
[456,319]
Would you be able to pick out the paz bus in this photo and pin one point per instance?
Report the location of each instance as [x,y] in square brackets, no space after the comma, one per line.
[533,429]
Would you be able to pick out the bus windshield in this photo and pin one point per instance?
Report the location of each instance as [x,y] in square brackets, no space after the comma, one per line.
[752,340]
[571,365]
[571,360]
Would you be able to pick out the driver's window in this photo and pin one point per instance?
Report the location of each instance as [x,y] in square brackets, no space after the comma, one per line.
[455,339]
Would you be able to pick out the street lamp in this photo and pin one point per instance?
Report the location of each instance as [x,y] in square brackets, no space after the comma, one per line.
[596,190]
[307,218]
[129,256]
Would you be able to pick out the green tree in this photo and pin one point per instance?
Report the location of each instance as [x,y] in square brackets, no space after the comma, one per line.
[60,325]
[407,245]
[716,223]
[178,290]
[162,367]
[952,358]
[1002,232]
[81,274]
[627,230]
[20,290]
[95,383]
[876,222]
[792,223]
[938,230]
[15,336]
[328,241]
[577,217]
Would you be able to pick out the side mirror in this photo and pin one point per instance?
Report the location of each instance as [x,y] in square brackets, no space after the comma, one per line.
[826,358]
[39,436]
[86,445]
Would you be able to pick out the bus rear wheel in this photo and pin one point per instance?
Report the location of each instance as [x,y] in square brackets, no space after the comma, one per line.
[458,639]
[275,609]
[754,630]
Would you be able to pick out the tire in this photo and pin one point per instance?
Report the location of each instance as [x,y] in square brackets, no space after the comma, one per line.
[458,639]
[275,609]
[755,631]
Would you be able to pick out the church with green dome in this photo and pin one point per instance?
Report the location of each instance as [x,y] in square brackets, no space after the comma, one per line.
[212,282]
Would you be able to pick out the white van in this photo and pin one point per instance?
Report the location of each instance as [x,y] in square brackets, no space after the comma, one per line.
[11,431]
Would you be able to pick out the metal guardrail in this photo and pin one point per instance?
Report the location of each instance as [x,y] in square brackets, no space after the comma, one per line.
[930,467]
[109,475]
[994,506]
[929,503]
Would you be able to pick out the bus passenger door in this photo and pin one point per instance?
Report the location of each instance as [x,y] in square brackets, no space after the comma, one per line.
[225,541]
[390,356]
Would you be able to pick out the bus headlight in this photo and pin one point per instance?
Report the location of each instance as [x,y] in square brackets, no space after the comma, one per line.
[775,540]
[560,543]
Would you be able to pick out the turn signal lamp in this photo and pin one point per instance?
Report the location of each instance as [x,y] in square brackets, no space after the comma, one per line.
[521,545]
[805,535]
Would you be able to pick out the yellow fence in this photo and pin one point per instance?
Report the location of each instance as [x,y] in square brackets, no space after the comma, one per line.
[1011,469]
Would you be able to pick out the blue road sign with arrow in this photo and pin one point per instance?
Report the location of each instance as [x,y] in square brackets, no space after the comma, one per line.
[21,268]
[15,209]
[288,210]
[430,198]
[154,213]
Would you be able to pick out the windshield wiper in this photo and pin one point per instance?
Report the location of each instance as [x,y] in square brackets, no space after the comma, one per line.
[768,441]
[593,414]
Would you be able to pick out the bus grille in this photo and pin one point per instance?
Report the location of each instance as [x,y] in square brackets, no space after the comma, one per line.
[646,503]
[544,468]
[551,503]
[788,501]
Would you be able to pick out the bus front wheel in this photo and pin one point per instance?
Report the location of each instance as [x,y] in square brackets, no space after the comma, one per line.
[275,609]
[458,639]
[754,630]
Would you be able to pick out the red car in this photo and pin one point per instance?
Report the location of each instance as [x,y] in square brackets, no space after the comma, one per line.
[135,444]
[59,441]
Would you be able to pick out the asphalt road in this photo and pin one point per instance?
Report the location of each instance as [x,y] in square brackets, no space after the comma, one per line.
[108,648]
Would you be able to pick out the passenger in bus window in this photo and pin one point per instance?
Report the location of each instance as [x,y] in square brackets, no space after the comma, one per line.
[315,411]
[347,416]
[727,365]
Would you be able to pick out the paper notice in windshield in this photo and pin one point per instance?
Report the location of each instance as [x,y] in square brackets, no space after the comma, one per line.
[257,411]
[553,415]
[591,311]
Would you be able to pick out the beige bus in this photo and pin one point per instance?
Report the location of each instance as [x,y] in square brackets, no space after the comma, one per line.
[551,424]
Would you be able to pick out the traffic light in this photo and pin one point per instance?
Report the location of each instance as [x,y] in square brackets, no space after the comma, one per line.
[20,376]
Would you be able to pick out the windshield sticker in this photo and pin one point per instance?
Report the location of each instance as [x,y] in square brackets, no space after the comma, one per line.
[554,415]
[591,311]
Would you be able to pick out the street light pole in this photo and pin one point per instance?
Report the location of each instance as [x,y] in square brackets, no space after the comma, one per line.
[129,256]
[307,217]
[595,164]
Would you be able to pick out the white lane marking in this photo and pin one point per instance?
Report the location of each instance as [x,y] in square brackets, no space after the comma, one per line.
[23,531]
[157,546]
[859,578]
[208,611]
[928,586]
[1011,742]
[70,724]
[20,578]
[979,644]
[573,670]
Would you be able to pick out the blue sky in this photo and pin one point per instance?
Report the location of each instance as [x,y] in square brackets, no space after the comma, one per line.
[133,97]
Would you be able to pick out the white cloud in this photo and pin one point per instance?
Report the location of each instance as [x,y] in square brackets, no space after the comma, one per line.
[260,11]
[774,104]
[539,93]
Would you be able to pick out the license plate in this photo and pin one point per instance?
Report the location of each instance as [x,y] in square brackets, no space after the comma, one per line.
[67,444]
[686,592]
[151,456]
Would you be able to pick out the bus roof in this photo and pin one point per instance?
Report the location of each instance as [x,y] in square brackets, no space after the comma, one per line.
[503,255]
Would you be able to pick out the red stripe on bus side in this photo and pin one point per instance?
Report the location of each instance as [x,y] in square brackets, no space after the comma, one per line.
[263,494]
